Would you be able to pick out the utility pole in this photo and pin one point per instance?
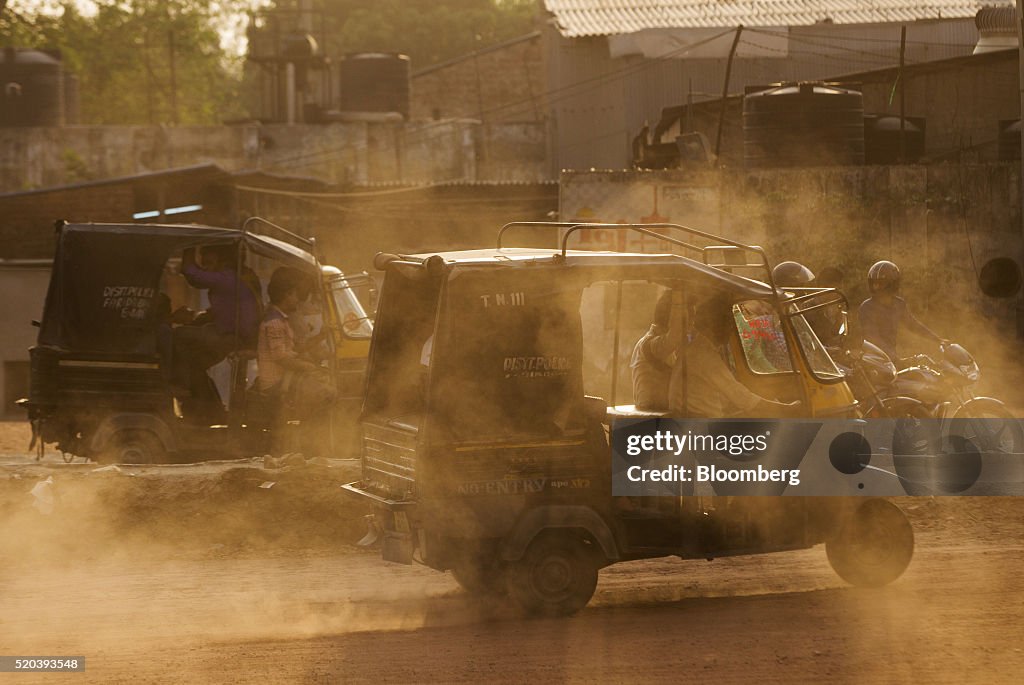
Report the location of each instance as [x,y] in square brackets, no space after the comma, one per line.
[903,94]
[174,77]
[150,110]
[689,107]
[484,130]
[725,89]
[1020,81]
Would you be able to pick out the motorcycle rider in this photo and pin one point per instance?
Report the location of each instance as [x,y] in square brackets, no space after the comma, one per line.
[882,315]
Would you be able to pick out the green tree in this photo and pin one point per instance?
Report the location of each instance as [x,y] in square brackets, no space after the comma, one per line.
[139,61]
[429,31]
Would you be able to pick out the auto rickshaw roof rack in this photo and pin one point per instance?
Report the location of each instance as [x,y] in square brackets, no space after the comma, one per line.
[293,239]
[805,295]
[723,246]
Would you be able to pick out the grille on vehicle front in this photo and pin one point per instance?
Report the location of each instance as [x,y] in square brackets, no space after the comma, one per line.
[389,458]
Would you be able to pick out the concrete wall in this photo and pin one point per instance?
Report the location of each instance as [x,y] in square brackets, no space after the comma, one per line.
[23,285]
[358,152]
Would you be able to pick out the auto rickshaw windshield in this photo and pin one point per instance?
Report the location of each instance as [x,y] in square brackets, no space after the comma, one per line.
[817,357]
[355,324]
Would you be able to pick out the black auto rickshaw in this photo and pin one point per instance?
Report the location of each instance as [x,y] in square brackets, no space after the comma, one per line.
[492,381]
[101,385]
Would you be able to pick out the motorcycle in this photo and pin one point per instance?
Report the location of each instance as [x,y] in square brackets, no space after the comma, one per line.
[963,429]
[871,374]
[944,385]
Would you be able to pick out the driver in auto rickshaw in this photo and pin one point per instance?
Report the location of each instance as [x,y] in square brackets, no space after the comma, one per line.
[707,387]
[232,318]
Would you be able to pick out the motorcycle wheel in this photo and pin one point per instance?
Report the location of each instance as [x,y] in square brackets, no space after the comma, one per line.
[1007,430]
[915,443]
[1000,438]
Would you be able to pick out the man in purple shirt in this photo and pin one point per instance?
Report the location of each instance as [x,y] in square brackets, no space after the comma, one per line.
[232,318]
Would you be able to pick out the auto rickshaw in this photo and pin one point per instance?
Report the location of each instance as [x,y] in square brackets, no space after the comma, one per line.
[100,384]
[493,381]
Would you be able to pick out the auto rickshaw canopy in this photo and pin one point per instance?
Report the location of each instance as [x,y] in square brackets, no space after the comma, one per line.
[106,280]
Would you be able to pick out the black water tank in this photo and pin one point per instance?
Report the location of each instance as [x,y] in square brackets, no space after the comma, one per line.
[374,82]
[882,139]
[802,124]
[1009,140]
[32,86]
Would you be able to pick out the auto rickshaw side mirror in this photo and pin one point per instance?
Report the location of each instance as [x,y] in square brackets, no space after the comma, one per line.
[844,324]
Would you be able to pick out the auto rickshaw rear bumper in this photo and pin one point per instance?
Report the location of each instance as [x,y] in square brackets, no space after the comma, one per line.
[390,524]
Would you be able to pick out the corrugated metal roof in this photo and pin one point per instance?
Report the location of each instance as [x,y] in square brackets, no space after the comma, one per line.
[576,18]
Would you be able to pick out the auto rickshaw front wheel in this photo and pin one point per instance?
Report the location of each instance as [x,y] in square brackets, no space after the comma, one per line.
[556,576]
[873,546]
[133,446]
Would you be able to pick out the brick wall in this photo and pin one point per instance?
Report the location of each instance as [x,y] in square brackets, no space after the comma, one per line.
[27,219]
[501,83]
[26,230]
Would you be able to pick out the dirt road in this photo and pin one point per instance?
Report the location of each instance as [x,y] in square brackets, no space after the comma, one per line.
[340,615]
[203,574]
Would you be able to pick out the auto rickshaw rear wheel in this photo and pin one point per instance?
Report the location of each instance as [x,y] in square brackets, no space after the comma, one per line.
[133,446]
[480,578]
[556,576]
[873,546]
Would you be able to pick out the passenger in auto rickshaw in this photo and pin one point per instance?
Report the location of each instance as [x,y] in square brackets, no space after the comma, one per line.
[289,380]
[651,363]
[307,321]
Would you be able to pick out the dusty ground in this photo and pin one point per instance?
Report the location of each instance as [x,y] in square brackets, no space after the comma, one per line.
[247,584]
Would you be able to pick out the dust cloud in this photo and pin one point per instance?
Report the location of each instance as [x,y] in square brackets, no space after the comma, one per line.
[81,543]
[939,225]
